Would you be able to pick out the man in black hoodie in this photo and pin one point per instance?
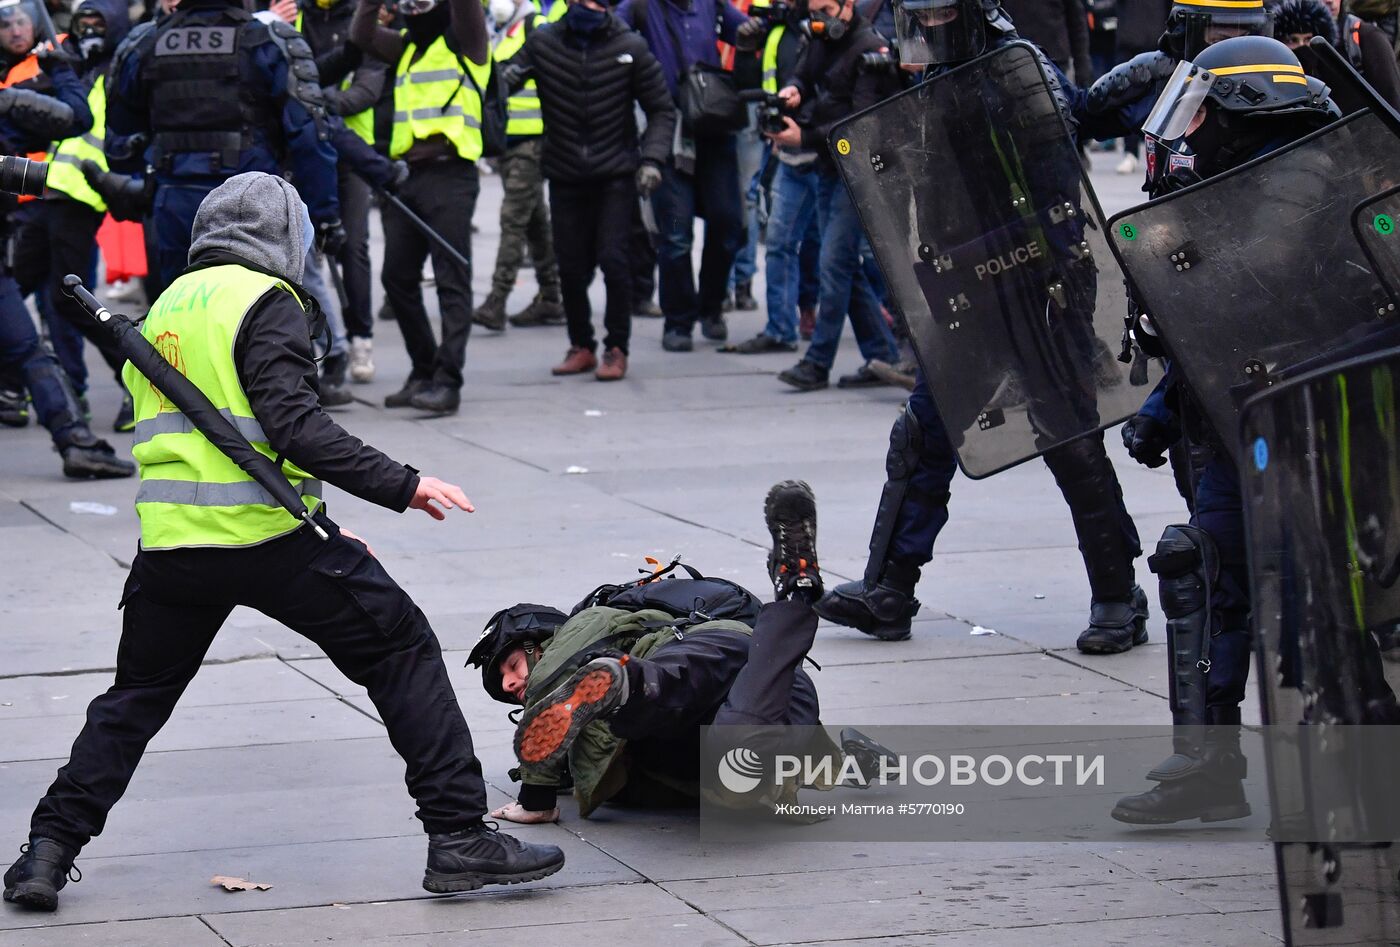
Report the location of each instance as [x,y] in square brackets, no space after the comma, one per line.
[589,70]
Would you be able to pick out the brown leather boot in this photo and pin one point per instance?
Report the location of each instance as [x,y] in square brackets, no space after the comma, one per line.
[614,366]
[576,361]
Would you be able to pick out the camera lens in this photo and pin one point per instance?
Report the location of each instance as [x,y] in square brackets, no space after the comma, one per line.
[22,176]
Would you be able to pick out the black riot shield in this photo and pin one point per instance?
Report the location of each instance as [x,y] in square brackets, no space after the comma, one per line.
[1321,484]
[992,243]
[1376,223]
[1257,272]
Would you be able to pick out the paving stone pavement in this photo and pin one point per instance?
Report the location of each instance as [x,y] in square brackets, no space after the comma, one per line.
[275,768]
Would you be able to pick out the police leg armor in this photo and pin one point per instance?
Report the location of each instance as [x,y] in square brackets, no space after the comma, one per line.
[882,603]
[1108,542]
[1202,779]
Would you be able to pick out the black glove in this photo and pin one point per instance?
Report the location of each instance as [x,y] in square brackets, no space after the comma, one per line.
[1147,439]
[125,196]
[648,179]
[513,75]
[397,179]
[748,35]
[330,237]
[38,113]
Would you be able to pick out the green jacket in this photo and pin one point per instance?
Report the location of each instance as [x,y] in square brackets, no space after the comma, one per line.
[597,762]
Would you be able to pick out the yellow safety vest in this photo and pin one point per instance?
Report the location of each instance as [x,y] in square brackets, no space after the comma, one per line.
[770,59]
[191,494]
[435,96]
[361,123]
[524,116]
[556,12]
[65,172]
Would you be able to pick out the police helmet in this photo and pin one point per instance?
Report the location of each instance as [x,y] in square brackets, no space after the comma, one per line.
[1235,94]
[520,626]
[1192,25]
[944,32]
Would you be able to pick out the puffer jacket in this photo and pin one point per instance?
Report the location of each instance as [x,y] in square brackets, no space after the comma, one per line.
[586,88]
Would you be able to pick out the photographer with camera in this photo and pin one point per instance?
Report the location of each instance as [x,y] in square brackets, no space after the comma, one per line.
[828,84]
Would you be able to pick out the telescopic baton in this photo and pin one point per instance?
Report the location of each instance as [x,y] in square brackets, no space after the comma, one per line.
[193,404]
[427,231]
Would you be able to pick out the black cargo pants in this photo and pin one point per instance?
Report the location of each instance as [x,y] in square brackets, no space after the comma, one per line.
[332,592]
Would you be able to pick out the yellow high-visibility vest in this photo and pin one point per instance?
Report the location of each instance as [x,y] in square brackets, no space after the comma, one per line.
[434,95]
[65,171]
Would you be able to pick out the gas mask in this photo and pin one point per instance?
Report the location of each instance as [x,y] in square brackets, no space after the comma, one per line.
[91,34]
[502,12]
[825,27]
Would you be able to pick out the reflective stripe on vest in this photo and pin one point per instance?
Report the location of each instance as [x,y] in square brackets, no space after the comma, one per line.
[770,59]
[433,96]
[191,494]
[65,171]
[361,123]
[524,116]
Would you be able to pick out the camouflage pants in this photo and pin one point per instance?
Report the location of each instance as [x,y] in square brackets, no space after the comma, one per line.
[524,217]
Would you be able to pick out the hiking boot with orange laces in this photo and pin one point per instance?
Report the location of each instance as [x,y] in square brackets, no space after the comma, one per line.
[549,728]
[791,514]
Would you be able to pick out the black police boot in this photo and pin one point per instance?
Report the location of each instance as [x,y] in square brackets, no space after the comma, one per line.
[335,388]
[868,755]
[790,511]
[1203,782]
[491,314]
[126,415]
[1114,627]
[14,407]
[439,400]
[403,398]
[87,457]
[481,855]
[805,376]
[884,610]
[43,869]
[548,728]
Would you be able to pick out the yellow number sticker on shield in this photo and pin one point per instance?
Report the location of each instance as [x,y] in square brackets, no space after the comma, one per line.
[843,147]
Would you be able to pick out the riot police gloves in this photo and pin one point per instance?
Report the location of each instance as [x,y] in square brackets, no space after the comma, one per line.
[1147,439]
[648,179]
[38,113]
[330,237]
[397,178]
[125,196]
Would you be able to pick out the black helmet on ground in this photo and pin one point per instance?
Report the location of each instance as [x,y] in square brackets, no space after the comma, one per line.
[520,626]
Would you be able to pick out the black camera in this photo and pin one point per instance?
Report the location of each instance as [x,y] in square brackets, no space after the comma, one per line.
[22,176]
[773,14]
[770,109]
[879,62]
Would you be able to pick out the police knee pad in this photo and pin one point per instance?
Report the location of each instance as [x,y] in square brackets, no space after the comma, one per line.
[906,443]
[1186,565]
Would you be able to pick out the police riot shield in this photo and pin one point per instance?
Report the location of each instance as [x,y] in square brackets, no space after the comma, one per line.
[1321,486]
[992,244]
[1257,273]
[1375,222]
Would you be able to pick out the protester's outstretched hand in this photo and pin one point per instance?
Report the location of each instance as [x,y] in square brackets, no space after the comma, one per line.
[431,490]
[515,812]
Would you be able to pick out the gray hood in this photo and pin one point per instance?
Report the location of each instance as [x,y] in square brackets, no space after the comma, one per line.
[259,218]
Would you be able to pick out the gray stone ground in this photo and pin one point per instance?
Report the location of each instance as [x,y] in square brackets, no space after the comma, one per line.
[275,769]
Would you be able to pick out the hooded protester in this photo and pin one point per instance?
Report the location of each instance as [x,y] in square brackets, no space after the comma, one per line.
[239,326]
[60,236]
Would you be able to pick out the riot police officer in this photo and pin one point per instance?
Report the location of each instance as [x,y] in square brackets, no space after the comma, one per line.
[211,91]
[1238,99]
[42,99]
[937,35]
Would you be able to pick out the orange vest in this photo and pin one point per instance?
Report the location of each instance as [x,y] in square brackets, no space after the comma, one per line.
[22,71]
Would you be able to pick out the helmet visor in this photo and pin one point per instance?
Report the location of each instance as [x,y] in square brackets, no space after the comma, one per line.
[24,26]
[1183,97]
[935,32]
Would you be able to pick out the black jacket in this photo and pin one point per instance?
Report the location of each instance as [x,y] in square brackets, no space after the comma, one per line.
[276,368]
[1061,29]
[586,88]
[833,85]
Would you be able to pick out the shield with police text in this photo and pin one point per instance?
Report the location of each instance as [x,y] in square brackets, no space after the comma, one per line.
[992,245]
[1321,485]
[1257,273]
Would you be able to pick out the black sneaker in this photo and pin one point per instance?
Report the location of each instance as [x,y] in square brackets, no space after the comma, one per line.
[743,298]
[44,867]
[481,855]
[804,376]
[863,377]
[403,398]
[676,342]
[1115,627]
[714,329]
[14,407]
[126,415]
[549,728]
[86,457]
[438,400]
[791,514]
[759,344]
[872,759]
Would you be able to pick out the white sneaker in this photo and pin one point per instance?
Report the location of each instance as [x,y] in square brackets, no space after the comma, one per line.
[1128,165]
[361,360]
[126,291]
